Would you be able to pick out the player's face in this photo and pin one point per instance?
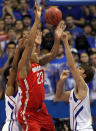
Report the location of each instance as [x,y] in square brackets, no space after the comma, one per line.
[81,72]
[69,21]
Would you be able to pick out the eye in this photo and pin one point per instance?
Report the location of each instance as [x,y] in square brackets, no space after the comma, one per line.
[80,68]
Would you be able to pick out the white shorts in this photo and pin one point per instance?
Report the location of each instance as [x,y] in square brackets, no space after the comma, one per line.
[12,126]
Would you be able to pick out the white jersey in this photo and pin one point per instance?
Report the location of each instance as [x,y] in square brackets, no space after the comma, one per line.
[80,114]
[12,105]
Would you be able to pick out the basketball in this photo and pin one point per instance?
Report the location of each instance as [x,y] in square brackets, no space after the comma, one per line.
[53,16]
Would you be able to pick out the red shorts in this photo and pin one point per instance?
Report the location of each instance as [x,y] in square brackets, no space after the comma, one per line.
[34,126]
[36,120]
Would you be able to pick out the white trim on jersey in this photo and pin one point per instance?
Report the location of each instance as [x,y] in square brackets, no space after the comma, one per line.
[74,126]
[26,102]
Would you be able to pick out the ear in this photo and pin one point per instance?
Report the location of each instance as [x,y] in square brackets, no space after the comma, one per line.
[84,76]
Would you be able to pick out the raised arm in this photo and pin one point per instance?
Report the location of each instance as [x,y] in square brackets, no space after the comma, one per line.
[52,54]
[60,94]
[30,43]
[38,41]
[13,71]
[80,87]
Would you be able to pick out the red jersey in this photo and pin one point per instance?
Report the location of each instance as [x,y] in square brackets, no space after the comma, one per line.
[33,108]
[32,87]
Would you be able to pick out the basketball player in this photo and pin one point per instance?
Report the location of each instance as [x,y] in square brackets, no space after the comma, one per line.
[33,114]
[78,97]
[13,94]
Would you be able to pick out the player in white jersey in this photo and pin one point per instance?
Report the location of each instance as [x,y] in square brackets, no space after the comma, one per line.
[12,104]
[78,97]
[13,93]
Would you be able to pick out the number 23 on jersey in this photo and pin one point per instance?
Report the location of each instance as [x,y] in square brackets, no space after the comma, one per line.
[40,78]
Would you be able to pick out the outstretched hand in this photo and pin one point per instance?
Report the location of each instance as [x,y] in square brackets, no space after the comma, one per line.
[64,75]
[38,39]
[60,29]
[38,10]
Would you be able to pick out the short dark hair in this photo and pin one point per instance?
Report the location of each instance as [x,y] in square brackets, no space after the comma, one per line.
[92,53]
[7,14]
[26,16]
[87,24]
[69,16]
[48,41]
[11,43]
[89,71]
[12,28]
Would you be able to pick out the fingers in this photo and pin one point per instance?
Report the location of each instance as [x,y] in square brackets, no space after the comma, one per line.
[65,74]
[37,7]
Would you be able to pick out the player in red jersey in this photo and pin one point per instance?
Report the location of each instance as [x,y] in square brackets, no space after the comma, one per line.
[33,114]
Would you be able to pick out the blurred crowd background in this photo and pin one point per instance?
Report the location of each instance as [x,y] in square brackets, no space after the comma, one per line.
[17,18]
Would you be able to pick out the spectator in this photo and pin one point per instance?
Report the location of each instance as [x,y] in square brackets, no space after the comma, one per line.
[10,50]
[3,58]
[82,44]
[7,9]
[31,3]
[86,12]
[92,85]
[75,30]
[23,7]
[93,24]
[24,32]
[27,22]
[84,58]
[92,10]
[16,11]
[11,37]
[44,4]
[8,22]
[18,28]
[48,41]
[88,34]
[3,35]
[75,11]
[50,81]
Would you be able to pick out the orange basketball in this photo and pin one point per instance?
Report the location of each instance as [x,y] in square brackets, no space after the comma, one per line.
[53,16]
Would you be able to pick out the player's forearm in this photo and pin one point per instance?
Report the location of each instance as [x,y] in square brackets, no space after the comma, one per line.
[59,90]
[55,47]
[70,59]
[16,58]
[37,50]
[33,31]
[51,55]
